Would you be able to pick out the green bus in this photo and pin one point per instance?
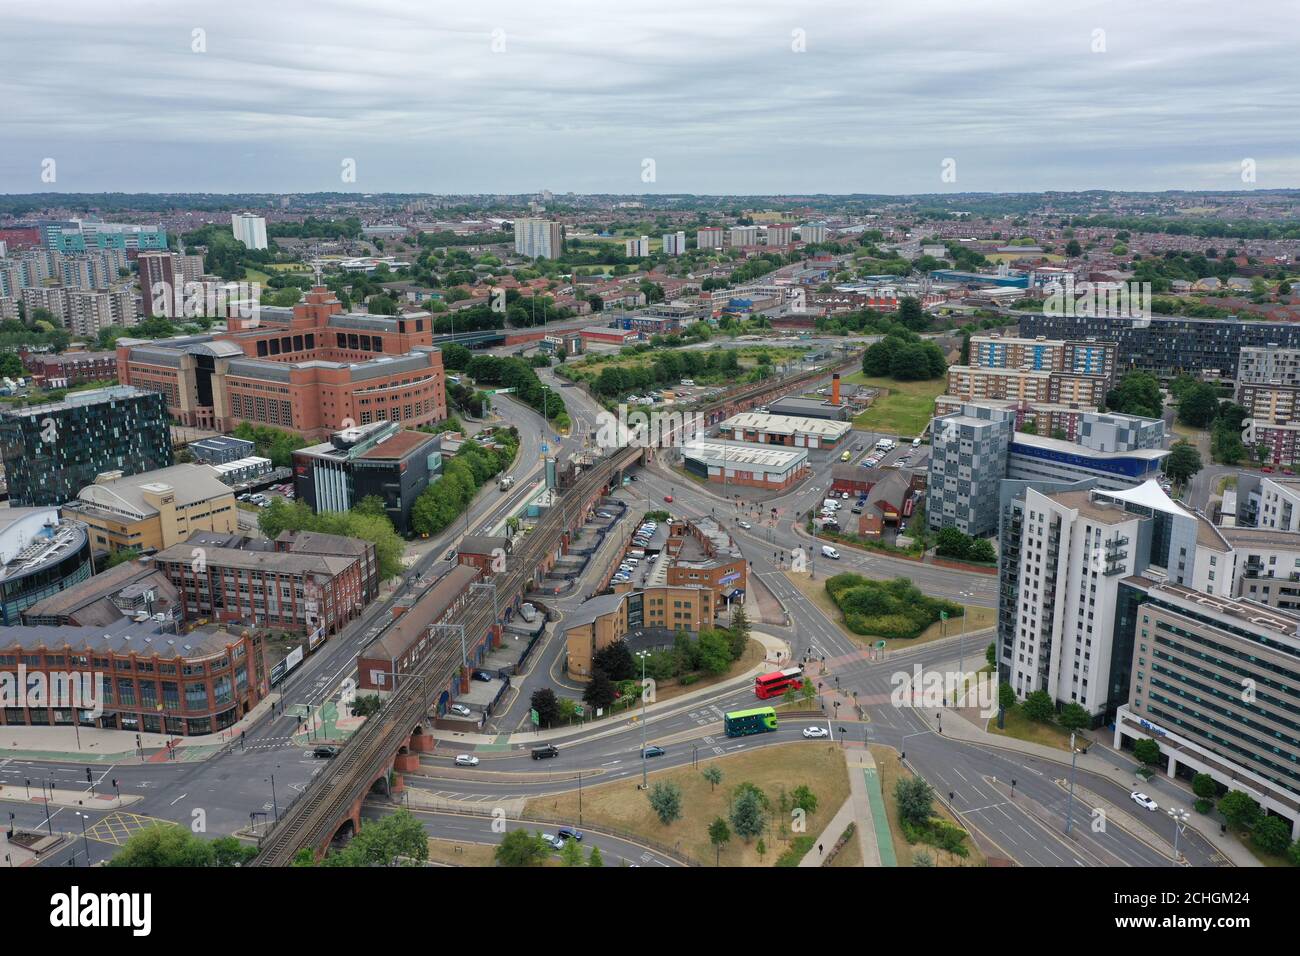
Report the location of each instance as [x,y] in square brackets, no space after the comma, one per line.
[741,723]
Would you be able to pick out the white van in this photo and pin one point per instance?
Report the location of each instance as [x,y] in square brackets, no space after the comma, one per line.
[829,552]
[916,443]
[832,503]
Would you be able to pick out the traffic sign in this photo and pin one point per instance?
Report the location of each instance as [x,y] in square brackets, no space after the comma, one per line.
[532,715]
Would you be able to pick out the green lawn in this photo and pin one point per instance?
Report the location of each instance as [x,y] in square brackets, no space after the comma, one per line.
[903,408]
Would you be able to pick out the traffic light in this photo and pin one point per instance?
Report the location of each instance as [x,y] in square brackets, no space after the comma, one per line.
[88,777]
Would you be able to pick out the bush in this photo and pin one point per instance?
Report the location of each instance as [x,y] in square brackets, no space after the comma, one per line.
[1203,806]
[886,608]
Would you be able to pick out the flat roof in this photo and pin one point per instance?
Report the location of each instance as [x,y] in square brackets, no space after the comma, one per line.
[787,424]
[744,453]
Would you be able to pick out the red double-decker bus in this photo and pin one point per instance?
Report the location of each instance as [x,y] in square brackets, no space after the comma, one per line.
[775,683]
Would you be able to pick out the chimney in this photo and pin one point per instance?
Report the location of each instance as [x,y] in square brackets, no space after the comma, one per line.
[835,389]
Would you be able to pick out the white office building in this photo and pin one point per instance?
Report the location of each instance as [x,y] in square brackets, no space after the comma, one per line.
[637,248]
[250,230]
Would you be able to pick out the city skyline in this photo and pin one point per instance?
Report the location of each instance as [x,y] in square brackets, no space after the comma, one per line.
[1083,96]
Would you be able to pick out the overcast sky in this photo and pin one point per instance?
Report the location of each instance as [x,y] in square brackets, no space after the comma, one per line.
[724,96]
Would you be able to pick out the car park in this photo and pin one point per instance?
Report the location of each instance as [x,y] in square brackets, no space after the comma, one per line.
[466,760]
[1142,800]
[812,733]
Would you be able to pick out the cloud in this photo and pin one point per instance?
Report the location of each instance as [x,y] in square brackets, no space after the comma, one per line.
[503,95]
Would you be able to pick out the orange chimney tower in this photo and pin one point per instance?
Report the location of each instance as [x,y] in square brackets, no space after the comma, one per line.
[835,389]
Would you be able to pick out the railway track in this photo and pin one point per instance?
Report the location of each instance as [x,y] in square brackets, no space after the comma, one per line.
[311,819]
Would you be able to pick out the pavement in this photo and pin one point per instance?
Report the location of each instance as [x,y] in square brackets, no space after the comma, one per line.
[1119,769]
[865,809]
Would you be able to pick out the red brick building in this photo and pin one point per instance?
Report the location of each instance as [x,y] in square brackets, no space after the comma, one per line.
[71,368]
[311,369]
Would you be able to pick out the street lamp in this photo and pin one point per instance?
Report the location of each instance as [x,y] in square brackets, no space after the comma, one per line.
[1069,806]
[84,839]
[644,780]
[275,804]
[1180,818]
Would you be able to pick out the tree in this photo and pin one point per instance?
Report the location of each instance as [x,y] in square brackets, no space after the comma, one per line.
[11,365]
[600,692]
[666,802]
[761,849]
[991,654]
[1198,404]
[1183,461]
[739,630]
[719,834]
[1203,786]
[521,848]
[804,799]
[547,706]
[982,550]
[1293,853]
[1072,249]
[912,315]
[1240,810]
[713,651]
[1272,834]
[228,851]
[1039,706]
[922,858]
[713,775]
[1147,751]
[396,840]
[571,855]
[1006,696]
[1074,717]
[169,847]
[952,543]
[747,816]
[1138,393]
[915,799]
[615,659]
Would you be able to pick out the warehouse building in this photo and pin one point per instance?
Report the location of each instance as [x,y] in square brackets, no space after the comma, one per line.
[737,463]
[766,429]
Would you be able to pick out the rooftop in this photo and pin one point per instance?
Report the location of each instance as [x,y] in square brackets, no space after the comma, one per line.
[742,453]
[787,424]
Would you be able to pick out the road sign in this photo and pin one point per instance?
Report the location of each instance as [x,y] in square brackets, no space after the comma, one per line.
[943,615]
[532,715]
[577,710]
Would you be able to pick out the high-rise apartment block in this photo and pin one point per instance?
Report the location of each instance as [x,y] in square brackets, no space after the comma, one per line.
[539,238]
[249,229]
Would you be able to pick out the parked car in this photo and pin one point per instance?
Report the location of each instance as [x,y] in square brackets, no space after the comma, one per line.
[653,752]
[466,760]
[814,732]
[484,676]
[553,840]
[326,751]
[460,710]
[1142,800]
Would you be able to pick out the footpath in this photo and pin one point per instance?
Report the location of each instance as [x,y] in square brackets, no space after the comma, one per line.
[865,809]
[1104,762]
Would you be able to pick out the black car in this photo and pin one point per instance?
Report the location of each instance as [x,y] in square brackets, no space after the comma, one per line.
[541,753]
[653,752]
[484,676]
[326,751]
